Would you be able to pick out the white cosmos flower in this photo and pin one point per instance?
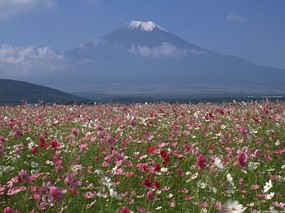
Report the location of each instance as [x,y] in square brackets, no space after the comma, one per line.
[233,207]
[218,163]
[230,179]
[115,194]
[268,186]
[269,196]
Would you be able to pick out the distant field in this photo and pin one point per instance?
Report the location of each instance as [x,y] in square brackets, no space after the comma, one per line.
[143,158]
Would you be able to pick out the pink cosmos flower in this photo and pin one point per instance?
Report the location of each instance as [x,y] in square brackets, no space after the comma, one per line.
[150,196]
[8,209]
[83,147]
[255,187]
[12,123]
[189,197]
[89,195]
[142,167]
[242,159]
[141,210]
[71,181]
[75,131]
[56,193]
[279,205]
[184,190]
[243,131]
[256,153]
[133,122]
[56,158]
[2,139]
[180,172]
[11,182]
[24,102]
[172,204]
[218,205]
[125,210]
[16,190]
[201,161]
[130,174]
[18,133]
[24,176]
[2,189]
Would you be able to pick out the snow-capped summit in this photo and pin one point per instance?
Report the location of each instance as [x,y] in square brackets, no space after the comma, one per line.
[144,26]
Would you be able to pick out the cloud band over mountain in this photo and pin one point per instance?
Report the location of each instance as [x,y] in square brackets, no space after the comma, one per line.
[165,49]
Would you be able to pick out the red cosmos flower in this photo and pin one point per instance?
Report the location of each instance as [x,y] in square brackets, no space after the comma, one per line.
[201,161]
[125,210]
[43,144]
[165,157]
[156,185]
[74,191]
[34,150]
[147,183]
[157,167]
[151,149]
[55,144]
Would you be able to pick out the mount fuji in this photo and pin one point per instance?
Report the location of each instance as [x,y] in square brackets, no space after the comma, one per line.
[144,58]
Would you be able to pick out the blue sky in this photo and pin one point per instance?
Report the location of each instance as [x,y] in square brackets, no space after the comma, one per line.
[251,29]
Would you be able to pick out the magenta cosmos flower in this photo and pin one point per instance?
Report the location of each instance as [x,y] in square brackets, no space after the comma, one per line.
[201,161]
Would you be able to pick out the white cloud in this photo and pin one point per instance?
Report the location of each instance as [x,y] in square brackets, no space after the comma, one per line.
[198,52]
[165,49]
[234,17]
[29,61]
[13,7]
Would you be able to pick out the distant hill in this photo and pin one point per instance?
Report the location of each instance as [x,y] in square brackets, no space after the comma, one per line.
[14,91]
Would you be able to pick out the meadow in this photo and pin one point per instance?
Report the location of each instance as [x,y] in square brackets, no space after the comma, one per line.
[143,158]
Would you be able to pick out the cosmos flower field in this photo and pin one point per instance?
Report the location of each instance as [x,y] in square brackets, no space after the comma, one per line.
[143,158]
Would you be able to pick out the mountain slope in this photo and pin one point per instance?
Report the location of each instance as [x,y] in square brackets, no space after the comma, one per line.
[145,54]
[14,91]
